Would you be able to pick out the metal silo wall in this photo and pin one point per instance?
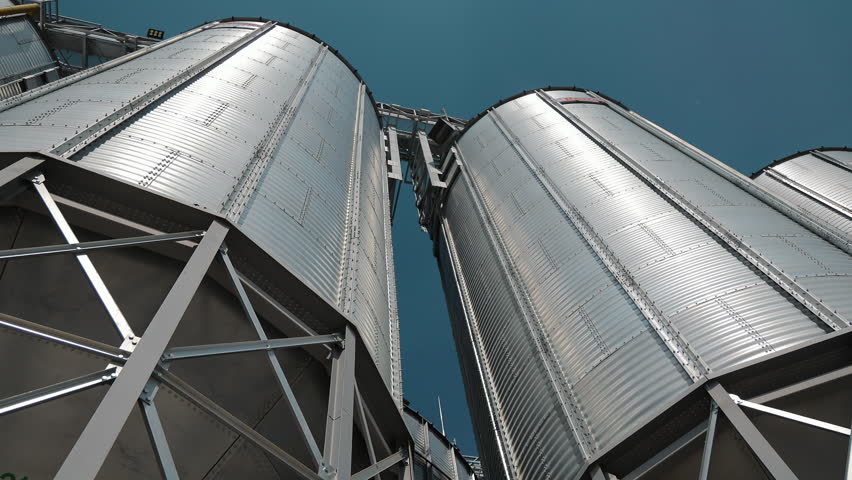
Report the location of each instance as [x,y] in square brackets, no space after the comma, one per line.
[473,369]
[819,182]
[22,51]
[266,135]
[538,440]
[567,251]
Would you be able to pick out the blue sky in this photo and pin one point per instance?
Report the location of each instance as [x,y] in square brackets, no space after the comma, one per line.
[747,82]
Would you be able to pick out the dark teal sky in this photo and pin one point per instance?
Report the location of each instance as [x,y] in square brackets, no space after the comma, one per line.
[747,82]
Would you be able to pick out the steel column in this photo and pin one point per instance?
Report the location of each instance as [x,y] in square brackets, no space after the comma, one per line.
[337,450]
[307,435]
[94,444]
[708,443]
[764,452]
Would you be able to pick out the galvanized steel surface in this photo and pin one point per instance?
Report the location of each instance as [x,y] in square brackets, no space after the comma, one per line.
[22,51]
[818,181]
[433,451]
[265,135]
[539,201]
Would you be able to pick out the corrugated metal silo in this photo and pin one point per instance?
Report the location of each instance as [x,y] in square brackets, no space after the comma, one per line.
[818,181]
[434,456]
[25,61]
[606,280]
[246,128]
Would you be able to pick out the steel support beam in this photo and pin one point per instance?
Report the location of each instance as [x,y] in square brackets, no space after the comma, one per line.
[91,449]
[337,450]
[289,395]
[361,423]
[791,416]
[78,248]
[57,390]
[194,351]
[766,455]
[104,351]
[18,169]
[848,475]
[708,443]
[667,452]
[394,161]
[596,472]
[804,385]
[380,466]
[165,461]
[371,422]
[129,338]
[210,407]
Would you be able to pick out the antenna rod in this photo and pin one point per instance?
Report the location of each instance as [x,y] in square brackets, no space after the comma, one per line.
[441,414]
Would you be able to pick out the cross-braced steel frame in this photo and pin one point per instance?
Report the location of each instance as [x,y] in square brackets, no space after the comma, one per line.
[139,365]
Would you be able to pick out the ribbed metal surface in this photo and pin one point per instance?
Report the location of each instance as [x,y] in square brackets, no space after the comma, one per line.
[434,452]
[819,182]
[22,52]
[582,258]
[266,135]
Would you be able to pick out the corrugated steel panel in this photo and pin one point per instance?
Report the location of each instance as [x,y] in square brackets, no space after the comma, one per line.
[22,51]
[558,202]
[819,182]
[445,459]
[197,143]
[539,442]
[474,370]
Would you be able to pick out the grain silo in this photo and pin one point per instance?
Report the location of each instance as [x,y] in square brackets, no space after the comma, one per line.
[626,306]
[818,181]
[25,60]
[197,275]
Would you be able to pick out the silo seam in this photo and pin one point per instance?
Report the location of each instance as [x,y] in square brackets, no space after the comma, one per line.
[135,106]
[816,225]
[263,152]
[476,343]
[569,405]
[723,235]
